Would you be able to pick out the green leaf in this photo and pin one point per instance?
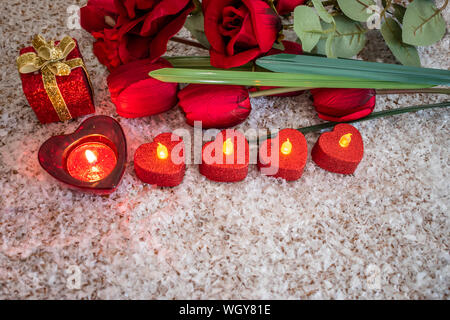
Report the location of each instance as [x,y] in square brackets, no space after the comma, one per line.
[423,24]
[349,38]
[247,78]
[392,34]
[399,12]
[356,9]
[307,26]
[322,12]
[353,69]
[196,26]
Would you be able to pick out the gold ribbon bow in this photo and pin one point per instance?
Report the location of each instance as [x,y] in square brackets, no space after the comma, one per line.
[51,61]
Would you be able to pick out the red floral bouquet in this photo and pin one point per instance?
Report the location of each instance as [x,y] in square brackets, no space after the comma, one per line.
[245,40]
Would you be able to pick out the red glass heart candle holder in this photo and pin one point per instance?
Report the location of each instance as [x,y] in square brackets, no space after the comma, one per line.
[340,150]
[226,158]
[161,162]
[290,158]
[92,159]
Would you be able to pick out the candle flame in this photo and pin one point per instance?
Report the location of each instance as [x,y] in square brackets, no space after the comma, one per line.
[228,147]
[345,140]
[90,156]
[162,151]
[286,147]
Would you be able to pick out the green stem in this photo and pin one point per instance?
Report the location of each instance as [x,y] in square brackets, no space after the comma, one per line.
[414,91]
[270,92]
[188,42]
[264,93]
[375,115]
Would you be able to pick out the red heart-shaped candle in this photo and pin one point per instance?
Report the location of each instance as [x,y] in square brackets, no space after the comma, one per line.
[91,159]
[161,162]
[340,150]
[284,156]
[226,158]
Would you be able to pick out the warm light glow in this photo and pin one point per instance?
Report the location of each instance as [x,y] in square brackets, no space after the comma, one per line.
[90,156]
[162,151]
[228,147]
[91,161]
[345,140]
[286,147]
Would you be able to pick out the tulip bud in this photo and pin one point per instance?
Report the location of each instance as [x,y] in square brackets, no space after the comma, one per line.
[342,105]
[217,106]
[136,94]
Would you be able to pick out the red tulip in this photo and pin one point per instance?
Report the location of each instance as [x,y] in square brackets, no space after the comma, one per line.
[285,7]
[135,94]
[341,105]
[217,106]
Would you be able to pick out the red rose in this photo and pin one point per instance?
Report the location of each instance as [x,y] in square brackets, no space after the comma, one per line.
[135,94]
[92,16]
[217,106]
[239,31]
[285,7]
[137,29]
[342,105]
[289,48]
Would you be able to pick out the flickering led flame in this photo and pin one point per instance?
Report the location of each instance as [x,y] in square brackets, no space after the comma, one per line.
[91,161]
[162,151]
[345,140]
[286,147]
[90,156]
[228,147]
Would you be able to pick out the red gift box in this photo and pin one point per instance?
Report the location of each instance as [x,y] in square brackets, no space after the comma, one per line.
[60,88]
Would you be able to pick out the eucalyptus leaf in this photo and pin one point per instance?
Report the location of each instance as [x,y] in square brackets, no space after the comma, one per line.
[322,12]
[348,40]
[405,53]
[356,9]
[423,23]
[196,26]
[307,27]
[399,12]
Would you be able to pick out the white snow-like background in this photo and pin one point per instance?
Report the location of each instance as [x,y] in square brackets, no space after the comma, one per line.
[380,233]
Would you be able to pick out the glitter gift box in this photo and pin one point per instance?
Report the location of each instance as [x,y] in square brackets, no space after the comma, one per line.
[55,80]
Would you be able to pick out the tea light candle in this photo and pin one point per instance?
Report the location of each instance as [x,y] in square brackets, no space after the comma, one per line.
[91,161]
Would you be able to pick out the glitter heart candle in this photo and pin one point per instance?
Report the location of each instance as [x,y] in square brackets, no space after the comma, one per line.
[161,162]
[284,156]
[340,150]
[226,158]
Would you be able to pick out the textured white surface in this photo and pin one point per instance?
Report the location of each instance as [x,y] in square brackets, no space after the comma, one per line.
[380,233]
